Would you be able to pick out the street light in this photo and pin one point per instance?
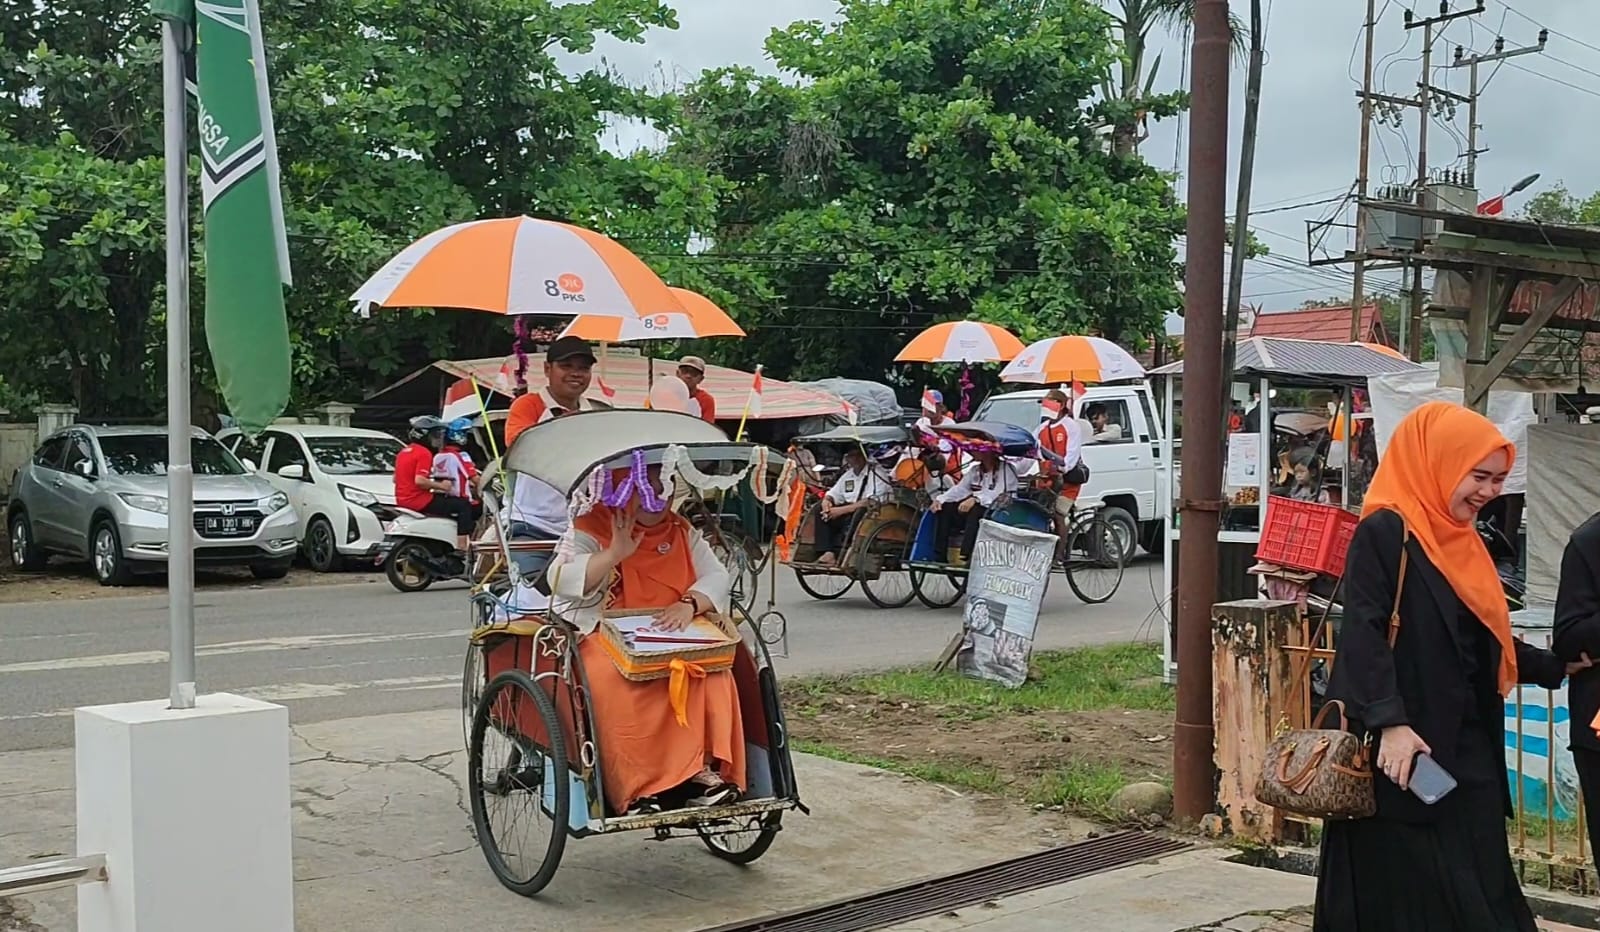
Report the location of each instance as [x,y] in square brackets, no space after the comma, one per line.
[1496,205]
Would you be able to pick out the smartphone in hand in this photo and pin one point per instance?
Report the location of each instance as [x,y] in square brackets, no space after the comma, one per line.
[1429,781]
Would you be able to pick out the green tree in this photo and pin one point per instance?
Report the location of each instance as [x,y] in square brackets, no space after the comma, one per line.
[921,161]
[394,117]
[1556,204]
[1132,87]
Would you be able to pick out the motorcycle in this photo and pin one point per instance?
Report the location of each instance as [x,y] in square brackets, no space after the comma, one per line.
[419,550]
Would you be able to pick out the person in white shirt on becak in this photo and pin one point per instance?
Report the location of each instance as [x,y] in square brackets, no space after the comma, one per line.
[977,493]
[859,487]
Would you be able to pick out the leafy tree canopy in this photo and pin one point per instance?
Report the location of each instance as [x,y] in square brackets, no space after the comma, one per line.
[920,161]
[1556,204]
[394,117]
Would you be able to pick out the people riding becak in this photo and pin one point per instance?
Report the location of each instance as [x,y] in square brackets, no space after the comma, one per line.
[692,372]
[416,488]
[1061,434]
[657,748]
[538,510]
[974,496]
[859,487]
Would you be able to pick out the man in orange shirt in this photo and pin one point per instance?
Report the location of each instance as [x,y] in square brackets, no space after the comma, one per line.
[539,510]
[692,370]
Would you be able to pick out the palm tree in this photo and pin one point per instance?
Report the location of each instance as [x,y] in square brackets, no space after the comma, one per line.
[1135,19]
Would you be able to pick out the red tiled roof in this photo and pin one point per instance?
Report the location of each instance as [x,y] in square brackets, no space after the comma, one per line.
[1330,324]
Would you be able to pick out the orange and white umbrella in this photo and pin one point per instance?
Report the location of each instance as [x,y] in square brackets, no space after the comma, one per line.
[1074,358]
[700,318]
[966,341]
[519,265]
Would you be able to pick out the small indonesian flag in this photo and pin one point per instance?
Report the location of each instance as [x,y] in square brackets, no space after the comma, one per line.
[505,381]
[605,389]
[1078,391]
[1493,207]
[755,394]
[460,400]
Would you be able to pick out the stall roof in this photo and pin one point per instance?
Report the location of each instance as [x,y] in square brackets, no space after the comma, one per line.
[1313,360]
[626,376]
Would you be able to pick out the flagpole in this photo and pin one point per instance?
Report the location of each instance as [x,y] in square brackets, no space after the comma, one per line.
[749,398]
[180,470]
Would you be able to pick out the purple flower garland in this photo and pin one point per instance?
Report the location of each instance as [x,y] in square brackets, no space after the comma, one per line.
[521,353]
[638,479]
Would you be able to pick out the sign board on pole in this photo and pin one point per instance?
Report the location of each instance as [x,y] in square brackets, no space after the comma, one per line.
[1005,588]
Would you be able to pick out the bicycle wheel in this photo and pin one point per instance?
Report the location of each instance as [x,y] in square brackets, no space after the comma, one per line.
[884,546]
[472,686]
[733,550]
[824,587]
[506,773]
[938,590]
[1095,560]
[744,844]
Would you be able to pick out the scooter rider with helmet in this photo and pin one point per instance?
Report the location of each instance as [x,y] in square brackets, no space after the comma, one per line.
[415,487]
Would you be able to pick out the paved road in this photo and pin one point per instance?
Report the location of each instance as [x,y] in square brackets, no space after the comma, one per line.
[339,651]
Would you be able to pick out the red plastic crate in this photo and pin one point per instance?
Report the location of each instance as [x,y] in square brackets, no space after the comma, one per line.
[1306,535]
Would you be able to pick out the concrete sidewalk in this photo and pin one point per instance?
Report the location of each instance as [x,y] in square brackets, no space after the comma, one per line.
[382,840]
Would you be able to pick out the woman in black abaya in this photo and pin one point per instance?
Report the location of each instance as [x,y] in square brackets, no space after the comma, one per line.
[1440,691]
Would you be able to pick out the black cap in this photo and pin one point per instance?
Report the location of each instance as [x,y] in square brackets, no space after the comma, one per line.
[567,348]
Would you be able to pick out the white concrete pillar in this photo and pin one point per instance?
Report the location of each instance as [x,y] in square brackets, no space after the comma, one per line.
[54,417]
[337,415]
[191,810]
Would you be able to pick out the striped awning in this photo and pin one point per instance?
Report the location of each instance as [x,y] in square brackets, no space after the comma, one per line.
[627,377]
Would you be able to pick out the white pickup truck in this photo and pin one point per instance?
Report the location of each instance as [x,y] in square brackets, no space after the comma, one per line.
[1124,474]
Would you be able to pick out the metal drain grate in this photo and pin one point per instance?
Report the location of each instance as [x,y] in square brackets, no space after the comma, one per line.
[954,891]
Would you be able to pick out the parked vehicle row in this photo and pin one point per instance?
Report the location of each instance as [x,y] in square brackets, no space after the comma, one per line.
[100,494]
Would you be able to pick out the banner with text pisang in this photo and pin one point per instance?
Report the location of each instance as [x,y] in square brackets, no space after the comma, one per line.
[1008,572]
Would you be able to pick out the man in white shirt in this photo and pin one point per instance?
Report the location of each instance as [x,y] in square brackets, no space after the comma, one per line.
[859,487]
[980,488]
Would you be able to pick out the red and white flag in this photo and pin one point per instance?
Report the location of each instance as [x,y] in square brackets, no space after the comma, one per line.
[605,390]
[755,394]
[461,400]
[1079,390]
[505,381]
[1493,207]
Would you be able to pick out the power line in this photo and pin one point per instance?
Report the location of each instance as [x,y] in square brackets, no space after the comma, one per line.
[1555,32]
[1538,74]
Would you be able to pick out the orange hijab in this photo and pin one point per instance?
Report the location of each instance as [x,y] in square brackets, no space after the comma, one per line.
[1432,450]
[658,574]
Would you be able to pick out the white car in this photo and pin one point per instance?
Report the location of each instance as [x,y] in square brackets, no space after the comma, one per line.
[339,479]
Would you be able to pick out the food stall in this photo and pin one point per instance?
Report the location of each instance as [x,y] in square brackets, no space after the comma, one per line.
[1294,380]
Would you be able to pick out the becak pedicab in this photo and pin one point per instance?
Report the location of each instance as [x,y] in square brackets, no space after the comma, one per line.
[859,526]
[629,700]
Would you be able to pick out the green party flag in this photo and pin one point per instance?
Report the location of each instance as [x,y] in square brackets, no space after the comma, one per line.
[246,253]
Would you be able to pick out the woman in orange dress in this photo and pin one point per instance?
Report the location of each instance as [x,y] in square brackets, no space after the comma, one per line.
[653,751]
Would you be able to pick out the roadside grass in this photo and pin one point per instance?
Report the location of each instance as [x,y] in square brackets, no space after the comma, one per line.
[946,728]
[1117,676]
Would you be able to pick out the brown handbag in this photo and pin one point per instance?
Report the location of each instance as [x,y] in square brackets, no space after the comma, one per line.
[1325,772]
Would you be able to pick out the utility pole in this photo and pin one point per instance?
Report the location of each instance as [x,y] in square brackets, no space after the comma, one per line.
[1241,210]
[1424,103]
[1194,794]
[1358,296]
[1500,52]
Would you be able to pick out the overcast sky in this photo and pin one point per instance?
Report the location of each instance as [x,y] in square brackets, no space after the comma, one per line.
[1537,112]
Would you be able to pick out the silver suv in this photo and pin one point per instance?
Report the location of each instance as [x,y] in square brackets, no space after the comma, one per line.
[100,493]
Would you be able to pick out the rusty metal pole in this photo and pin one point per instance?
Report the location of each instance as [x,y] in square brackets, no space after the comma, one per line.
[1194,786]
[1358,289]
